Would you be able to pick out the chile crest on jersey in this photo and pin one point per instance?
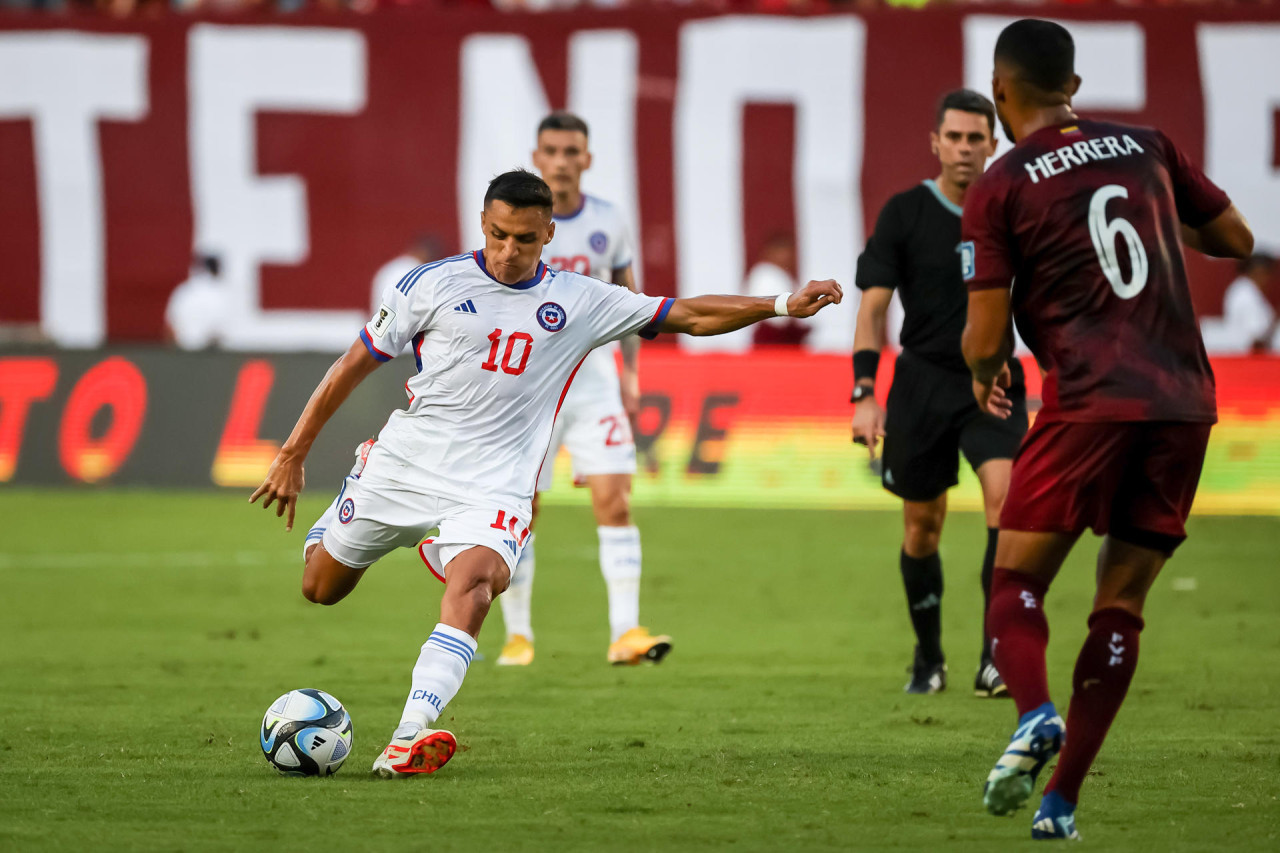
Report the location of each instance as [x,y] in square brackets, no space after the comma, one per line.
[551,316]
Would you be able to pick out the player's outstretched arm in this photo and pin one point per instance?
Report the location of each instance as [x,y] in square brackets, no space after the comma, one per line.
[716,315]
[1226,236]
[285,476]
[630,346]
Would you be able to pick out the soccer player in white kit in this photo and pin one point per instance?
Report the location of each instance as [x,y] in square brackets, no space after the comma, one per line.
[497,338]
[595,421]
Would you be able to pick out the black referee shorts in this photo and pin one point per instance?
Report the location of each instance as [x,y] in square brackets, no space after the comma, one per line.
[931,418]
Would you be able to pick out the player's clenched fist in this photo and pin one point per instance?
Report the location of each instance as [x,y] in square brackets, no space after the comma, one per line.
[811,298]
[282,485]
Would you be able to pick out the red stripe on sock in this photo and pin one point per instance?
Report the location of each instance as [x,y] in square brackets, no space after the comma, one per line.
[1020,634]
[1098,687]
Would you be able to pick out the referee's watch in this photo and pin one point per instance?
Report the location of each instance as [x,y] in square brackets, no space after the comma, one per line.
[862,392]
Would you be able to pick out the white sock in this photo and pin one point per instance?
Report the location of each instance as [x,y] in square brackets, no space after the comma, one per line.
[437,676]
[620,565]
[517,601]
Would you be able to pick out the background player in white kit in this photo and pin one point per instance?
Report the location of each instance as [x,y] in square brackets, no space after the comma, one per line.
[464,456]
[594,423]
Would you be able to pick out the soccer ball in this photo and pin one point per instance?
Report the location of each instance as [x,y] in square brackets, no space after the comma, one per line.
[306,733]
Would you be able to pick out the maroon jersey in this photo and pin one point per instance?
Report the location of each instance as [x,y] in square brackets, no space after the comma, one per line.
[1083,219]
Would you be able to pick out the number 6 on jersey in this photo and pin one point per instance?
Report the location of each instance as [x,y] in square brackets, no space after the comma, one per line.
[1104,235]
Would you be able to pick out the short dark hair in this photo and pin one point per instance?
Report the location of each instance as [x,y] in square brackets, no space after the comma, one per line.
[564,120]
[1042,52]
[519,189]
[969,101]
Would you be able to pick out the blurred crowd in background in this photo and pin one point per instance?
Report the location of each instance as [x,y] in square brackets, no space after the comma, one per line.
[129,8]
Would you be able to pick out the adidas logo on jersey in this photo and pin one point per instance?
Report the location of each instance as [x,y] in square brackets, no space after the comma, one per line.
[511,543]
[467,307]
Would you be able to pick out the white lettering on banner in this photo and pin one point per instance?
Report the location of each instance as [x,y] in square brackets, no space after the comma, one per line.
[66,83]
[604,69]
[816,64]
[1110,56]
[248,219]
[503,100]
[1240,74]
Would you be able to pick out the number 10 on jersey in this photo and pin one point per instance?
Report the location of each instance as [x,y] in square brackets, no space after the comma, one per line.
[509,364]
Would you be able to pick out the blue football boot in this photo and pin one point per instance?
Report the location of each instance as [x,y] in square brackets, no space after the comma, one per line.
[1039,736]
[1056,818]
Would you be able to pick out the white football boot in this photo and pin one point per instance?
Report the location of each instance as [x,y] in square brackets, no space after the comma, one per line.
[424,751]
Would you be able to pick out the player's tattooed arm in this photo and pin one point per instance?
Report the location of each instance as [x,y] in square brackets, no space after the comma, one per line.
[716,315]
[285,479]
[987,345]
[630,345]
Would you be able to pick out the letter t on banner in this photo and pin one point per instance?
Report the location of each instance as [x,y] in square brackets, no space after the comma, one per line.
[66,83]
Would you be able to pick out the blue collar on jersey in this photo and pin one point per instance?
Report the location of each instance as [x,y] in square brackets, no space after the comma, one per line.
[538,274]
[581,207]
[942,199]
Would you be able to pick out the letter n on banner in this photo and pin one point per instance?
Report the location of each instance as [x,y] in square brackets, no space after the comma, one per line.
[243,458]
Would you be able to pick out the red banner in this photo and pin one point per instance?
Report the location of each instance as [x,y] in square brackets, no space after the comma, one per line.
[310,151]
[770,428]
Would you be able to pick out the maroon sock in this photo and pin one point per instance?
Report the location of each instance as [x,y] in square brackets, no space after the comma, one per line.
[1103,672]
[1019,635]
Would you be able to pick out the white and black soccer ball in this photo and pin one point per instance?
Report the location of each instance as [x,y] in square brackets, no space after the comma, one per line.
[306,733]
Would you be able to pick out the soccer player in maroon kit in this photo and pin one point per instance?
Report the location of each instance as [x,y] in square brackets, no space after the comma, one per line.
[1087,219]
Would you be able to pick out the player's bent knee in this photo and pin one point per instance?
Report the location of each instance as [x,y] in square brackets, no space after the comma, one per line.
[325,580]
[477,570]
[317,592]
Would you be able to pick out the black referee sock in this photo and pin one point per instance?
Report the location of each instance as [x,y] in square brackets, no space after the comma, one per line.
[922,578]
[988,568]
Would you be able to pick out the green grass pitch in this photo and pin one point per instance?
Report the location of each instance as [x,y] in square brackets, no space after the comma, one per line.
[142,635]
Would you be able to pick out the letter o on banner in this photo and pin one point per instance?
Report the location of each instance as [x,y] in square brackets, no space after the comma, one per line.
[115,383]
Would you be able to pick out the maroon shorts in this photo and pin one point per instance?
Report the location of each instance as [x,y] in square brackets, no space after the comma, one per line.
[1133,480]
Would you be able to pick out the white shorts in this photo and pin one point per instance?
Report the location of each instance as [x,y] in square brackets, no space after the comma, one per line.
[372,517]
[597,434]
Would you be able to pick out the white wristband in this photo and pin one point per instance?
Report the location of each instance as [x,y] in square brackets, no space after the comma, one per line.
[780,305]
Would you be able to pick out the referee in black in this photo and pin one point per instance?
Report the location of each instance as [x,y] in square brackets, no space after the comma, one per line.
[931,416]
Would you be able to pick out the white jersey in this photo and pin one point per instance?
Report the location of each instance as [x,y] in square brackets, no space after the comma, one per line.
[494,363]
[592,242]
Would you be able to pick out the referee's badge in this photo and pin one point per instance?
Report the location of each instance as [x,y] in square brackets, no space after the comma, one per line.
[967,268]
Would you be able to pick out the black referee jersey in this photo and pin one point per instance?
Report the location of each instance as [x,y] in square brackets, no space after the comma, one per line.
[915,249]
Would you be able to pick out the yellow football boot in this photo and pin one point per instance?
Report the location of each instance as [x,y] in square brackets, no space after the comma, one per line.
[517,652]
[637,646]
